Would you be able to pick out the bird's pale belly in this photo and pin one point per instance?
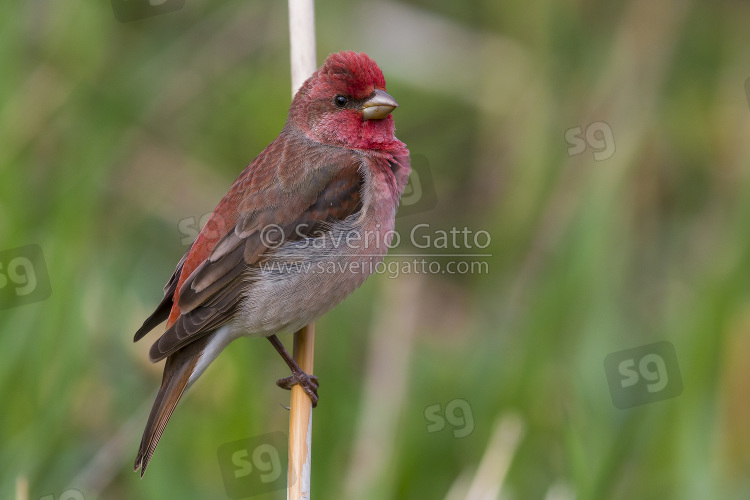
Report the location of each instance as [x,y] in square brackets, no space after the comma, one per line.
[305,279]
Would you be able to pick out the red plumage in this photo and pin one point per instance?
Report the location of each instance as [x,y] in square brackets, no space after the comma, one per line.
[336,167]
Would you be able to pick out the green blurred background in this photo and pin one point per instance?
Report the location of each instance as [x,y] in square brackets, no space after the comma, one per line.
[116,138]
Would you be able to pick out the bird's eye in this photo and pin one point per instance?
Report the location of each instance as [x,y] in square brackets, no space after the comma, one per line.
[340,101]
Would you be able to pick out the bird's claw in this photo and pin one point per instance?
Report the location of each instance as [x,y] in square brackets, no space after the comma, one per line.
[308,382]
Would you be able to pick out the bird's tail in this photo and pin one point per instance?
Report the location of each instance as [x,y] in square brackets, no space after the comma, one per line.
[177,371]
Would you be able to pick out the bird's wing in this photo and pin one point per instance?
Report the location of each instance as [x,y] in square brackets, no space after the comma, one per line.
[165,306]
[296,187]
[303,193]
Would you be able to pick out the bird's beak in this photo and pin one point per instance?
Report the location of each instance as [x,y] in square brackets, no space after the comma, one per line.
[378,106]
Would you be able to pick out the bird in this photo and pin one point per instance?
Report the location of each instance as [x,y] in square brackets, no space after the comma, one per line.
[302,227]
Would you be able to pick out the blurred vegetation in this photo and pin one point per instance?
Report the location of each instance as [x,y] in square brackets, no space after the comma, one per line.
[115,136]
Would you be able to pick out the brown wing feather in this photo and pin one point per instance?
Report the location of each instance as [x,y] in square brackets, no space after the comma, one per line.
[209,297]
[165,306]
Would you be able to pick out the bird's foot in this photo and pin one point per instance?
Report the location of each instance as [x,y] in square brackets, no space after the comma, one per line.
[308,382]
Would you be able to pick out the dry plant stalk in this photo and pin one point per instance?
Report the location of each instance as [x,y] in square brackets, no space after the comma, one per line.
[302,55]
[300,420]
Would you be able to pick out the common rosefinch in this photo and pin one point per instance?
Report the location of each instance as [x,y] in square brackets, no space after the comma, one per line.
[301,228]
